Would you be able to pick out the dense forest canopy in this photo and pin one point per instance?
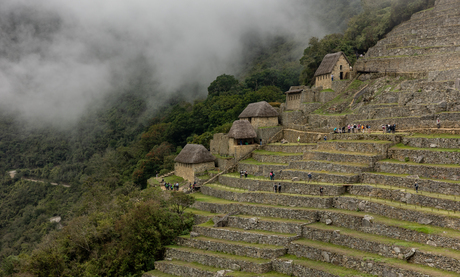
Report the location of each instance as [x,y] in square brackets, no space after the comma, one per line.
[112,223]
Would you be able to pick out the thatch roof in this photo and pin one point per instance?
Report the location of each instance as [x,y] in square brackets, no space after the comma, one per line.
[242,129]
[194,154]
[328,63]
[259,109]
[294,91]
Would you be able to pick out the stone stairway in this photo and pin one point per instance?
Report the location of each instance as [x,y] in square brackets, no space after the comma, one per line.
[369,221]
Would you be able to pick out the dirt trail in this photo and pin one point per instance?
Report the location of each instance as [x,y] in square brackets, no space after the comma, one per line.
[13,174]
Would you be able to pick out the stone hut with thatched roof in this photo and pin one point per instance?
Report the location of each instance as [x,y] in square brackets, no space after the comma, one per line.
[334,67]
[260,114]
[241,138]
[194,158]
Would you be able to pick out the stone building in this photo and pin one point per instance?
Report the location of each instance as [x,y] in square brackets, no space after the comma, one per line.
[297,95]
[336,64]
[241,138]
[194,158]
[260,114]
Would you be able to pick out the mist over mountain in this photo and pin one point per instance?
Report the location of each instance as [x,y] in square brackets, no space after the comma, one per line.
[57,57]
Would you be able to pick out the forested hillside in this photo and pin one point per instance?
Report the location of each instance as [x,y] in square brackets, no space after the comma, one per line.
[112,224]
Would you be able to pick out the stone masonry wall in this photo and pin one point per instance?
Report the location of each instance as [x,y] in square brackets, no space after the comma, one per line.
[422,170]
[380,148]
[426,142]
[425,156]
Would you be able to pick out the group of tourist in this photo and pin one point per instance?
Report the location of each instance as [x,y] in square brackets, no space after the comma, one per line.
[277,188]
[243,173]
[174,187]
[353,128]
[389,128]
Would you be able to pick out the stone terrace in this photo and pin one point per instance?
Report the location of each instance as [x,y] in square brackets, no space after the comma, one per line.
[369,220]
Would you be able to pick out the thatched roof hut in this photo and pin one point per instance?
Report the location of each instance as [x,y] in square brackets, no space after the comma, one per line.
[242,129]
[328,63]
[194,154]
[259,109]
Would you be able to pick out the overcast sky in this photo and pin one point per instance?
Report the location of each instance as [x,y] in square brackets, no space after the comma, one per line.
[58,56]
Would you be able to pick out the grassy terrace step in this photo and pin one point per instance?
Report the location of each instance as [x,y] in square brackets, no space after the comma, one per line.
[343,156]
[448,187]
[442,150]
[251,236]
[322,165]
[218,259]
[240,248]
[255,162]
[288,186]
[360,260]
[435,171]
[442,258]
[271,153]
[322,176]
[290,147]
[284,199]
[305,267]
[275,157]
[381,225]
[157,273]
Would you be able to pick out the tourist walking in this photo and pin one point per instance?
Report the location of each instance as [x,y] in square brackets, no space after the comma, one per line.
[245,174]
[272,175]
[260,142]
[438,123]
[298,140]
[416,187]
[275,188]
[279,188]
[321,191]
[309,176]
[325,137]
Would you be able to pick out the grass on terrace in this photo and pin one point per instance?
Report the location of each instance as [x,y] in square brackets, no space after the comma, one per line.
[252,161]
[414,226]
[402,146]
[262,178]
[292,144]
[219,254]
[344,153]
[435,136]
[210,224]
[323,266]
[336,163]
[361,141]
[419,164]
[388,241]
[365,256]
[270,153]
[242,243]
[406,175]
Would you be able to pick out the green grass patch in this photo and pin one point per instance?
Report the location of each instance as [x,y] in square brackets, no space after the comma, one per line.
[222,157]
[417,164]
[402,146]
[204,177]
[255,162]
[435,136]
[153,182]
[355,85]
[327,90]
[270,153]
[242,243]
[174,179]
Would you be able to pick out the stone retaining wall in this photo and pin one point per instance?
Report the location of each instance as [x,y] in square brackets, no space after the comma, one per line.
[437,186]
[291,268]
[405,197]
[210,260]
[360,136]
[386,250]
[320,177]
[232,235]
[314,165]
[289,148]
[180,270]
[275,159]
[349,203]
[424,156]
[349,261]
[427,142]
[422,170]
[260,224]
[286,187]
[305,137]
[361,147]
[338,157]
[261,170]
[234,249]
[255,210]
[327,121]
[270,198]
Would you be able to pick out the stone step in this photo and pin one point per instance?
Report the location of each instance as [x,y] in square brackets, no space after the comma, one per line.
[157,273]
[446,187]
[251,236]
[407,196]
[263,251]
[275,157]
[402,153]
[290,147]
[301,267]
[343,156]
[360,260]
[425,254]
[434,171]
[257,168]
[283,199]
[287,186]
[366,146]
[342,167]
[220,206]
[388,224]
[185,269]
[426,141]
[321,176]
[218,260]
